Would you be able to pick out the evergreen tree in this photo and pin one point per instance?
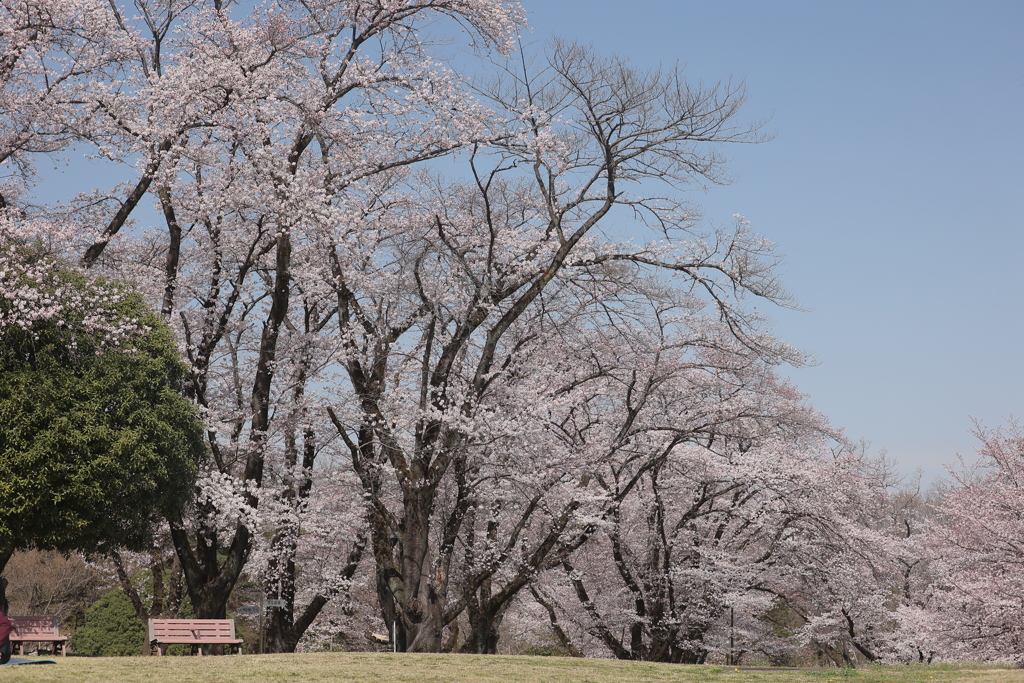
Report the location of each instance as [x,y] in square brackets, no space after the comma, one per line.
[112,629]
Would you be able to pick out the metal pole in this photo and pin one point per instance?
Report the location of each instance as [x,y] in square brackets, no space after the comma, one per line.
[263,608]
[394,636]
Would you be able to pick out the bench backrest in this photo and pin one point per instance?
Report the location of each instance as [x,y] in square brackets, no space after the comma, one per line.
[27,627]
[200,629]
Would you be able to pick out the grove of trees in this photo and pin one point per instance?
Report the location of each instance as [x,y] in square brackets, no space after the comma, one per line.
[467,362]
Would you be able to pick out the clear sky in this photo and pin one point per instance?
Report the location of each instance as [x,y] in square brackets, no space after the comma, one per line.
[893,185]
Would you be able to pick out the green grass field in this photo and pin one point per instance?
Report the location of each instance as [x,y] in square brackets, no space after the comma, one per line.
[383,668]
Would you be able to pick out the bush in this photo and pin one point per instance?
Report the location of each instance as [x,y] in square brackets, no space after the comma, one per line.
[112,628]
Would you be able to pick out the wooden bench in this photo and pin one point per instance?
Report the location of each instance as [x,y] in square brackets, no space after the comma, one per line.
[195,632]
[36,630]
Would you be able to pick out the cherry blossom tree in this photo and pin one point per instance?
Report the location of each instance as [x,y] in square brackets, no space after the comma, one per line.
[757,538]
[975,599]
[711,531]
[850,588]
[464,292]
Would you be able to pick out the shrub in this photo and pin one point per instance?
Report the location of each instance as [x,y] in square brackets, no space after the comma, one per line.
[112,628]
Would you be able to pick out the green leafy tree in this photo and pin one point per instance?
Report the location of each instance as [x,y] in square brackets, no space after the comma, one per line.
[97,439]
[112,629]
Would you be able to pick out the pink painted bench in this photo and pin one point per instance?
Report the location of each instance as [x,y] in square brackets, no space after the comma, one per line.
[195,632]
[36,630]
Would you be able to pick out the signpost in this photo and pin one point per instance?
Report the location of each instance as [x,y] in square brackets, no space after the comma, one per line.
[260,609]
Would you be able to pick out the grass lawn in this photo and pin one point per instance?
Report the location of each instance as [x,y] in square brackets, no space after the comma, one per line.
[383,668]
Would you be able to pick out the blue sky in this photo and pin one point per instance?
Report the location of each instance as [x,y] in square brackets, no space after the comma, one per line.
[893,185]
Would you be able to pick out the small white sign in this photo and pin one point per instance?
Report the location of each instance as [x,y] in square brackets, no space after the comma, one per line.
[253,609]
[275,603]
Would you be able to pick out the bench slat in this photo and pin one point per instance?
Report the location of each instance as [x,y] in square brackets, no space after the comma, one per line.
[204,641]
[39,638]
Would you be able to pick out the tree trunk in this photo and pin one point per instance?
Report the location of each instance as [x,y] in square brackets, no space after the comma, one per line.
[210,570]
[210,580]
[483,631]
[422,606]
[285,629]
[389,610]
[559,632]
[3,584]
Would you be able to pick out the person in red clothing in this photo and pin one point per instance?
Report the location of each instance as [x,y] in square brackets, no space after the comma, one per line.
[5,638]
